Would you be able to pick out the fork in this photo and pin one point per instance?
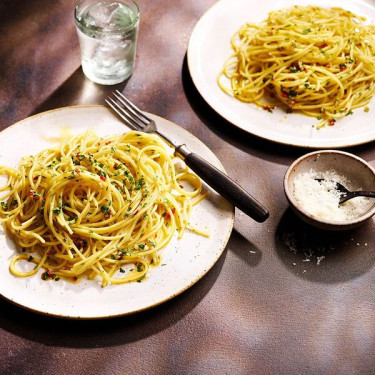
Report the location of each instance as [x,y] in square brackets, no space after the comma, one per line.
[219,181]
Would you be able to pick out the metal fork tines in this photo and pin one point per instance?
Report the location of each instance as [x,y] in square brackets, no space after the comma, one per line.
[219,181]
[133,116]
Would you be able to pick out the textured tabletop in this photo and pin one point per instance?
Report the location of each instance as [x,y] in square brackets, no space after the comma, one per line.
[282,299]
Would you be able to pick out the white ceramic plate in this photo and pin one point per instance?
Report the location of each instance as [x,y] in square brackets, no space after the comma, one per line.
[209,47]
[185,261]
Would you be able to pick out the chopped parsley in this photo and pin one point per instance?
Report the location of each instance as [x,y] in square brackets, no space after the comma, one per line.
[293,69]
[105,209]
[57,210]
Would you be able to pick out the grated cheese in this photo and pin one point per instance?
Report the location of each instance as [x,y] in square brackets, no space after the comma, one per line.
[321,199]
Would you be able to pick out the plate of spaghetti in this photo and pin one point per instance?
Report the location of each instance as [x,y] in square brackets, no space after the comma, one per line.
[301,74]
[100,221]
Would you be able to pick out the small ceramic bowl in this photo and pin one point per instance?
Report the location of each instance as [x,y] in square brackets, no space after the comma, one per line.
[355,169]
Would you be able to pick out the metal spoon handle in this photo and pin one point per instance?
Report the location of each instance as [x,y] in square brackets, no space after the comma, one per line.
[354,194]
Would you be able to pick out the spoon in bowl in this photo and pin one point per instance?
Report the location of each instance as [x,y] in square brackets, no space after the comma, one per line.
[347,194]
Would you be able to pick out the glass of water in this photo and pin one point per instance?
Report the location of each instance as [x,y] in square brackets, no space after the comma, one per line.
[107,33]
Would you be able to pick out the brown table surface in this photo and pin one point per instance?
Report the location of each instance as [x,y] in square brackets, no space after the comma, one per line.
[261,309]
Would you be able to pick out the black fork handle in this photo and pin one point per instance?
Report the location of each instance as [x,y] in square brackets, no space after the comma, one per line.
[358,193]
[224,185]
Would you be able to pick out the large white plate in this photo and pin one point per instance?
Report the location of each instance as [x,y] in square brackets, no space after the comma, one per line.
[209,47]
[186,260]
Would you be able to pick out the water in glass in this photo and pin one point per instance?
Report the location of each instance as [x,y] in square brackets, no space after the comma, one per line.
[107,33]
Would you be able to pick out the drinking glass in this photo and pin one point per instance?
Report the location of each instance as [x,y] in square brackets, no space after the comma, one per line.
[107,33]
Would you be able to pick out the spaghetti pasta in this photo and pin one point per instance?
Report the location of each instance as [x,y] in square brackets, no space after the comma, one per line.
[316,61]
[97,207]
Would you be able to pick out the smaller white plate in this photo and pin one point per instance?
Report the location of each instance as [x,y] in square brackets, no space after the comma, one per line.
[184,261]
[208,49]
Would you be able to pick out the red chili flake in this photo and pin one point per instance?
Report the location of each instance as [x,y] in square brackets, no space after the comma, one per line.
[181,186]
[77,170]
[268,108]
[332,122]
[36,198]
[272,28]
[168,215]
[115,165]
[75,278]
[31,193]
[107,216]
[359,44]
[324,45]
[284,95]
[98,143]
[35,178]
[102,178]
[107,143]
[78,155]
[44,198]
[50,274]
[328,66]
[135,213]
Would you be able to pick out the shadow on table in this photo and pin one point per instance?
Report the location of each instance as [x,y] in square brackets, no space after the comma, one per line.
[78,90]
[52,331]
[267,150]
[244,249]
[324,256]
